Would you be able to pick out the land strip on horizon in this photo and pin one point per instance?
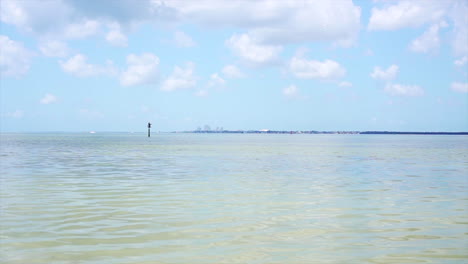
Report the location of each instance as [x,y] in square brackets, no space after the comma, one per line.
[264,131]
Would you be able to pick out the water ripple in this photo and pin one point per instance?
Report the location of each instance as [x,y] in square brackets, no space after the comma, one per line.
[123,198]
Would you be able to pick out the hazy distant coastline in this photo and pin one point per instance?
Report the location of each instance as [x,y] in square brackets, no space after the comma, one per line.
[323,132]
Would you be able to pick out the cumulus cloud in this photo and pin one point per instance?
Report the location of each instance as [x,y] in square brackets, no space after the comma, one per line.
[12,13]
[81,29]
[278,22]
[15,59]
[48,99]
[141,69]
[416,13]
[406,13]
[54,48]
[395,89]
[76,18]
[232,71]
[271,21]
[389,74]
[429,40]
[460,28]
[462,61]
[460,87]
[78,66]
[181,78]
[216,81]
[403,90]
[183,40]
[251,51]
[312,69]
[39,17]
[116,38]
[291,91]
[124,11]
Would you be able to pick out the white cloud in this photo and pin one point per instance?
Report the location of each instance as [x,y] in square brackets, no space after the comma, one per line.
[81,29]
[271,21]
[181,78]
[54,48]
[142,69]
[39,17]
[116,38]
[407,13]
[345,84]
[291,91]
[78,66]
[72,19]
[460,28]
[232,71]
[416,13]
[15,60]
[386,75]
[12,13]
[216,81]
[395,89]
[403,90]
[429,40]
[251,51]
[312,69]
[278,22]
[462,61]
[183,40]
[460,87]
[124,11]
[48,99]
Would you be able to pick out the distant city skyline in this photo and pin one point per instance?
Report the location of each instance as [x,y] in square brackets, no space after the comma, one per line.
[337,65]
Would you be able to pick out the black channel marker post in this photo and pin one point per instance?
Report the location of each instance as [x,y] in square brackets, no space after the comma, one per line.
[149,129]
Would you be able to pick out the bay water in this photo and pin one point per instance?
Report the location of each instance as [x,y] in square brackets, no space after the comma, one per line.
[233,198]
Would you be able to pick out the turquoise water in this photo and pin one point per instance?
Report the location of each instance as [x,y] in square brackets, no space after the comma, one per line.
[233,198]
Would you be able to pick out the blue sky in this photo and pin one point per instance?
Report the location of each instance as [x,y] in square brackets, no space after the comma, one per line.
[79,65]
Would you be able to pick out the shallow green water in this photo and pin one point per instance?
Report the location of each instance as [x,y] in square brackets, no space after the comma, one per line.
[226,198]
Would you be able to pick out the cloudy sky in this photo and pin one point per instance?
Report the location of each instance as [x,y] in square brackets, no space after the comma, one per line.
[81,65]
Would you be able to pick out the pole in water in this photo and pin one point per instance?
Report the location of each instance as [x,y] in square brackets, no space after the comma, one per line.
[149,127]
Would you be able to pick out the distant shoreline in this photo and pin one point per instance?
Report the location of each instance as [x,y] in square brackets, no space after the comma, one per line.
[313,132]
[321,132]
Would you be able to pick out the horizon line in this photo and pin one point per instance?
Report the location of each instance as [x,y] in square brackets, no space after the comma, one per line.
[252,131]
